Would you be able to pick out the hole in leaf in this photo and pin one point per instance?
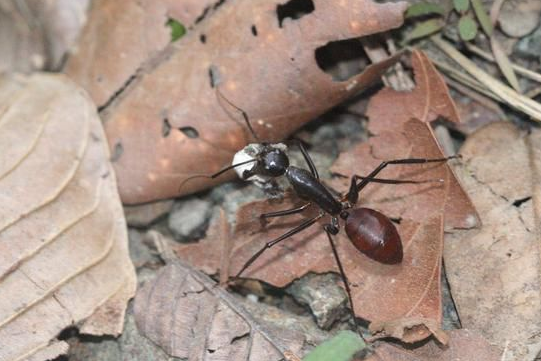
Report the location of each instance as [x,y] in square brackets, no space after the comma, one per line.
[177,29]
[218,4]
[521,201]
[341,59]
[203,38]
[190,132]
[166,128]
[214,76]
[117,152]
[294,9]
[254,30]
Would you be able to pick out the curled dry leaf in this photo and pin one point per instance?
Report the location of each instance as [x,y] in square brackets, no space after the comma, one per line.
[62,230]
[495,273]
[403,131]
[190,316]
[463,345]
[121,36]
[36,34]
[169,124]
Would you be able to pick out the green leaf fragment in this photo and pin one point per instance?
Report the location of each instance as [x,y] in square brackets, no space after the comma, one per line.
[467,28]
[421,9]
[339,348]
[177,29]
[482,16]
[423,29]
[461,5]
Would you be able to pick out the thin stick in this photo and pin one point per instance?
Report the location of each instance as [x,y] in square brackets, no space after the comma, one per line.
[508,95]
[532,75]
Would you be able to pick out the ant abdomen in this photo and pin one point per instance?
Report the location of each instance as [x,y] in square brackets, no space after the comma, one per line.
[373,233]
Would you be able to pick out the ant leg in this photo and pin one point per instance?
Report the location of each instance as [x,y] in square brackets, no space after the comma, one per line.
[397,181]
[285,212]
[288,234]
[332,230]
[352,194]
[384,164]
[308,160]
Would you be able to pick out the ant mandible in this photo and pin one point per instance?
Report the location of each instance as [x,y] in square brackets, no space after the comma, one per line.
[370,231]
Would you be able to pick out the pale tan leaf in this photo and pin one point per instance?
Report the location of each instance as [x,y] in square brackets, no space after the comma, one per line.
[36,34]
[189,316]
[495,273]
[463,345]
[63,241]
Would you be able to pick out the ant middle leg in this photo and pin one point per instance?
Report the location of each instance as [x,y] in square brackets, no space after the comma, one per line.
[285,212]
[275,241]
[308,160]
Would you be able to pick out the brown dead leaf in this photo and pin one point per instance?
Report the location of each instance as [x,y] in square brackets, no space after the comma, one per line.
[121,36]
[398,136]
[62,231]
[386,295]
[403,131]
[417,201]
[381,293]
[169,123]
[189,316]
[463,345]
[495,273]
[428,101]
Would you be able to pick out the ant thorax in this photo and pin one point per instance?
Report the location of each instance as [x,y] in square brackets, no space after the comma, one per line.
[255,152]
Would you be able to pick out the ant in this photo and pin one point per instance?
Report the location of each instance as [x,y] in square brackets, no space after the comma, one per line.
[370,231]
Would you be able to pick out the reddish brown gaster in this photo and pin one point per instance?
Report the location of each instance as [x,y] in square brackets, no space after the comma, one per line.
[372,233]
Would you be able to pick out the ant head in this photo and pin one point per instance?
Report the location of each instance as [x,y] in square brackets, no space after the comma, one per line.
[274,162]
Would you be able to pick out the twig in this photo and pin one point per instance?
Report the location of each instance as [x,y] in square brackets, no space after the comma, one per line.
[465,79]
[482,99]
[532,75]
[508,95]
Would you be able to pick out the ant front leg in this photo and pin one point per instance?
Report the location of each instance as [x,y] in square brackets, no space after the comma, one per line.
[307,158]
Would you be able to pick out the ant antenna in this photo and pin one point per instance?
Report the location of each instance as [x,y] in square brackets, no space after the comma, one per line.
[215,175]
[244,115]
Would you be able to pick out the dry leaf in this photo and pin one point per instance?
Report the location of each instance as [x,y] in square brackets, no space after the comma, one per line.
[429,100]
[36,34]
[121,36]
[169,124]
[463,345]
[386,295]
[494,273]
[189,316]
[62,230]
[381,293]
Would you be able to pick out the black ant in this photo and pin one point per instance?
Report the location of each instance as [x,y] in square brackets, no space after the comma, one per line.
[370,231]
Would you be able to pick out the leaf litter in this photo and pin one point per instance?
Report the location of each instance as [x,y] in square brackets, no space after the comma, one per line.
[171,105]
[404,300]
[62,231]
[189,316]
[494,272]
